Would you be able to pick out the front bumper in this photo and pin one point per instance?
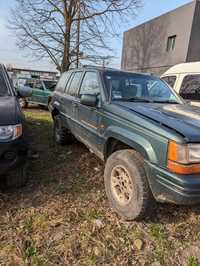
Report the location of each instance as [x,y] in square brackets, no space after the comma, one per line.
[12,155]
[169,187]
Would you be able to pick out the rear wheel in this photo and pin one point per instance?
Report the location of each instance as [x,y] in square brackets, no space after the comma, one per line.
[127,186]
[61,135]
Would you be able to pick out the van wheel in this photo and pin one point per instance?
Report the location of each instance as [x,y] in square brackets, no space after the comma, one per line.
[61,134]
[17,178]
[127,186]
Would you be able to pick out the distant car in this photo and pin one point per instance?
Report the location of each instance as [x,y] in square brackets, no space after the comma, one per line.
[42,92]
[185,80]
[147,135]
[13,133]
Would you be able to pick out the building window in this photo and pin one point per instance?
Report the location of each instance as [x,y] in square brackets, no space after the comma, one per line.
[171,41]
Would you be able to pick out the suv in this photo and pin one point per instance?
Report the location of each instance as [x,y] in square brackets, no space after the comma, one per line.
[147,135]
[13,135]
[42,90]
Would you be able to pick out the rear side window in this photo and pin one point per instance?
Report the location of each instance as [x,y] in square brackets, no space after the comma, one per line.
[170,80]
[190,88]
[69,82]
[90,83]
[74,84]
[62,82]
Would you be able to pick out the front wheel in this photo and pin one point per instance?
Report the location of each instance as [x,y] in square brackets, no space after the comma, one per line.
[127,186]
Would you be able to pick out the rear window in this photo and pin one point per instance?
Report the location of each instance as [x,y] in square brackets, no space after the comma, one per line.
[190,88]
[3,87]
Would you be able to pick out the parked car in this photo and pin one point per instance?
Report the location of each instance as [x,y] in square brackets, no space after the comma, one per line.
[146,134]
[13,133]
[185,80]
[41,92]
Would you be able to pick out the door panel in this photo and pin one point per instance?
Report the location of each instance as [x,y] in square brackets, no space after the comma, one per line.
[89,118]
[39,95]
[70,101]
[88,127]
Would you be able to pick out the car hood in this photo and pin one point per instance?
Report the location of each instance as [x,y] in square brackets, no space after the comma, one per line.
[8,111]
[182,118]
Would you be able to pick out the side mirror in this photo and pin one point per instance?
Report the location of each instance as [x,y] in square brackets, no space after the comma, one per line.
[89,100]
[24,92]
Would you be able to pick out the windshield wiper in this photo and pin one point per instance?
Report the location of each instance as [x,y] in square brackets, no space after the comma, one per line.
[167,101]
[135,99]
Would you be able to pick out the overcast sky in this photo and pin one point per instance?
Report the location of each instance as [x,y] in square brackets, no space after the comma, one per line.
[10,54]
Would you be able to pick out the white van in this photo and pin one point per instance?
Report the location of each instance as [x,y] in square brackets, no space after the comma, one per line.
[185,80]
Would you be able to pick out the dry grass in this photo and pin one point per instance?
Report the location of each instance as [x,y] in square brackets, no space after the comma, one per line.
[62,216]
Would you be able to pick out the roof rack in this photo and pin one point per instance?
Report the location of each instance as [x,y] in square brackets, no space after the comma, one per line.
[98,67]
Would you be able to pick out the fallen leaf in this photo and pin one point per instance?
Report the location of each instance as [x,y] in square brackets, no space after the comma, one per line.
[138,244]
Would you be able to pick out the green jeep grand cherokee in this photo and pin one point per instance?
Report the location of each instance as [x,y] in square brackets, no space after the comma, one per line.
[42,90]
[148,137]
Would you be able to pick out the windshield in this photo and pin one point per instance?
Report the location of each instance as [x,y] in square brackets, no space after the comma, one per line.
[50,85]
[3,87]
[124,86]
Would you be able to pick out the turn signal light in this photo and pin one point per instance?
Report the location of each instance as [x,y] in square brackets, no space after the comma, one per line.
[183,158]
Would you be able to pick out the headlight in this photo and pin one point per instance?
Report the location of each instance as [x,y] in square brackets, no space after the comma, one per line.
[184,158]
[10,132]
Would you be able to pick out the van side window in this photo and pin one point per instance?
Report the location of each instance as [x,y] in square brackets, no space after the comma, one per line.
[62,82]
[74,84]
[170,80]
[190,88]
[90,83]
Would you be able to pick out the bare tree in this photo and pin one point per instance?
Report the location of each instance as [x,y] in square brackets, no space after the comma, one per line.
[64,30]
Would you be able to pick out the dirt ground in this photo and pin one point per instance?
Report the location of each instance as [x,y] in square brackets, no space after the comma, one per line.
[62,216]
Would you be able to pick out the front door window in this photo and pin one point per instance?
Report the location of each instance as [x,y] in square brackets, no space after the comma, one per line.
[90,84]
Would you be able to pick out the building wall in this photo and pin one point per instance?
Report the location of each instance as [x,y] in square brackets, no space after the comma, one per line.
[144,47]
[194,46]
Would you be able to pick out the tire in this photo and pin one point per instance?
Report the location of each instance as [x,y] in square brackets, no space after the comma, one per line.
[127,186]
[61,135]
[23,103]
[49,105]
[17,178]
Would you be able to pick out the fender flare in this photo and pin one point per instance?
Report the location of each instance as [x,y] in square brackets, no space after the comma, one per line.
[134,140]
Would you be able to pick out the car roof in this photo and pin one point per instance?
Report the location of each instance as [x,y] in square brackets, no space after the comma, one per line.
[41,79]
[193,67]
[105,69]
